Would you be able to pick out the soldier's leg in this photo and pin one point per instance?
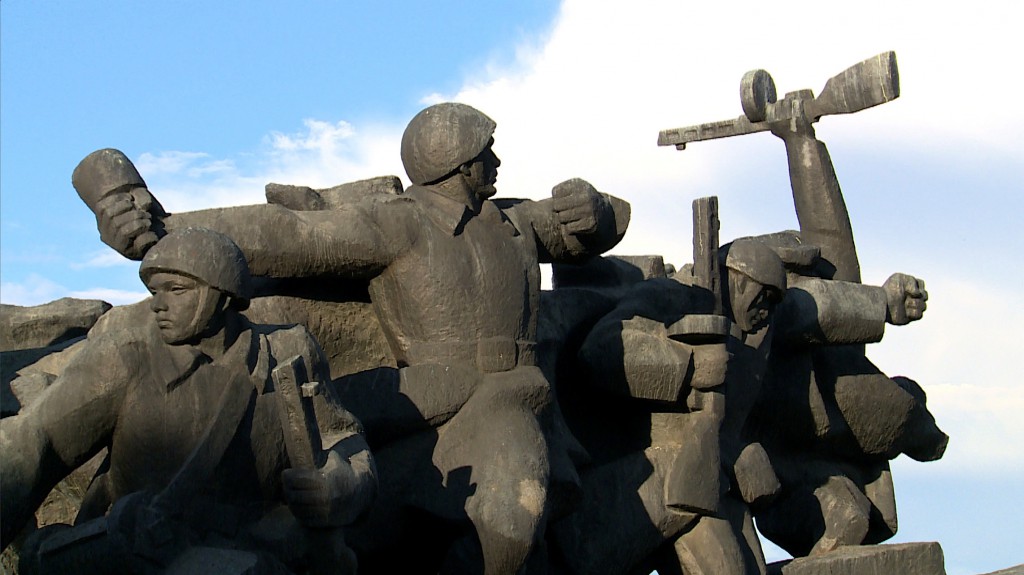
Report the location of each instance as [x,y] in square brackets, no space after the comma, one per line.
[495,452]
[623,517]
[817,515]
[726,545]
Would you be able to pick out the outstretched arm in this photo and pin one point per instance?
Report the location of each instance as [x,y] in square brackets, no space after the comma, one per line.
[820,208]
[357,240]
[66,425]
[817,311]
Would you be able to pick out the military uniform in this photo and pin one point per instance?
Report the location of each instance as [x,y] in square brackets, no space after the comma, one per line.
[151,404]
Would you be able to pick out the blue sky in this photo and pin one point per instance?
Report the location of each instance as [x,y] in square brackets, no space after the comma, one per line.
[214,100]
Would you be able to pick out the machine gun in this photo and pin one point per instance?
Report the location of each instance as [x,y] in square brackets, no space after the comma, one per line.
[870,83]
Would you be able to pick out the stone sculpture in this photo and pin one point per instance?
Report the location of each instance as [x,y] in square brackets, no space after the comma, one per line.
[188,404]
[635,417]
[455,281]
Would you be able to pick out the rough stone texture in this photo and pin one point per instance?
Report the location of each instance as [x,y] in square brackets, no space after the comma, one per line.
[303,198]
[44,325]
[904,559]
[634,418]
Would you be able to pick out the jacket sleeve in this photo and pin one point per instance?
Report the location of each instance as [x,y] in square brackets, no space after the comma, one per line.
[554,244]
[67,424]
[355,240]
[817,311]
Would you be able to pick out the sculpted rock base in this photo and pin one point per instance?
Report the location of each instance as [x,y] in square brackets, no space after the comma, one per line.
[905,558]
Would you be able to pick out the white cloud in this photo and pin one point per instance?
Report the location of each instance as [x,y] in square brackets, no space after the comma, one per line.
[319,135]
[38,290]
[155,164]
[103,259]
[111,296]
[35,290]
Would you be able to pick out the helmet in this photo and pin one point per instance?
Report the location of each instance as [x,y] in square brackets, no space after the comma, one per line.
[758,262]
[102,172]
[441,138]
[205,255]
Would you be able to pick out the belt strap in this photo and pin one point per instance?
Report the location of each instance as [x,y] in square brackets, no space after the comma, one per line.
[489,354]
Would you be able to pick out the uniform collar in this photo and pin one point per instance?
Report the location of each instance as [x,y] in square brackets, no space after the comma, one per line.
[174,364]
[452,215]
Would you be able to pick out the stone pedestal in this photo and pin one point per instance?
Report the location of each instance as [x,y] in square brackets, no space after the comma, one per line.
[903,558]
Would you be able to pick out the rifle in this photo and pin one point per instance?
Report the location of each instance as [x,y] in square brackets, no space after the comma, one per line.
[869,83]
[305,450]
[712,327]
[298,418]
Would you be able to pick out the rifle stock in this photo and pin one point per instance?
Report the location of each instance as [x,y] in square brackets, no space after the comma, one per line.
[865,84]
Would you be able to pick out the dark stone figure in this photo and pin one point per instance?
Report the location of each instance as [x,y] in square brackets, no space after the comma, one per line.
[844,419]
[197,476]
[634,418]
[696,386]
[475,440]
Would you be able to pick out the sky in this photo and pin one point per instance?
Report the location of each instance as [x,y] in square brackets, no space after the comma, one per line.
[212,100]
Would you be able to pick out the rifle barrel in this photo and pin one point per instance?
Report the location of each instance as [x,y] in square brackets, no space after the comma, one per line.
[710,131]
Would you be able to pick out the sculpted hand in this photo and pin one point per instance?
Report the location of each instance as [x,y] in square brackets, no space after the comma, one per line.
[125,221]
[710,365]
[320,497]
[798,126]
[906,299]
[578,206]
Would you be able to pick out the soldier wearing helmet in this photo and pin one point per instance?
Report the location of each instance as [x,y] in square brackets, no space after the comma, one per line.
[755,283]
[195,277]
[700,385]
[454,279]
[830,419]
[185,403]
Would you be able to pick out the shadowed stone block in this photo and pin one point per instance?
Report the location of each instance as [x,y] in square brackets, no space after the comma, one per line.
[47,324]
[904,558]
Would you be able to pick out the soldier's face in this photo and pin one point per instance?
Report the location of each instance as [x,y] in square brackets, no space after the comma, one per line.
[751,303]
[185,308]
[483,172]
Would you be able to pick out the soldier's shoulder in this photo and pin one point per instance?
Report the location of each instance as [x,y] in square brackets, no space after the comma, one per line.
[287,340]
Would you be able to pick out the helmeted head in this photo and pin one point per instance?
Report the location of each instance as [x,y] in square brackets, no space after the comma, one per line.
[756,282]
[443,137]
[194,275]
[102,172]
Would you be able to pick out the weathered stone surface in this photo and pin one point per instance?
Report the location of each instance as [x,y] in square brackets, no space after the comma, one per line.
[903,558]
[43,360]
[304,198]
[634,418]
[47,324]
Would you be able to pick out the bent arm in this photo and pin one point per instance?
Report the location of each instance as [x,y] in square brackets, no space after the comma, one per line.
[577,223]
[635,357]
[820,208]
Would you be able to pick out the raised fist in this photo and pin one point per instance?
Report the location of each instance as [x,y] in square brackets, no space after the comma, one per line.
[906,299]
[578,206]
